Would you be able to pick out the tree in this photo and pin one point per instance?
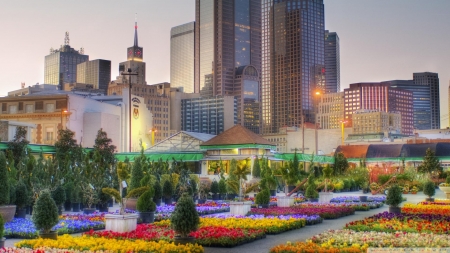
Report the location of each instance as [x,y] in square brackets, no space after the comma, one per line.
[256,172]
[45,212]
[241,172]
[340,164]
[430,163]
[105,148]
[18,145]
[66,147]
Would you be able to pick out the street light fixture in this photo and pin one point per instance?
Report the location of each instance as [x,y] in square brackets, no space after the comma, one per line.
[318,94]
[129,74]
[62,111]
[342,129]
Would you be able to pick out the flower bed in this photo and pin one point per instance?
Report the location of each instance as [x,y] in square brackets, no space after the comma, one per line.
[426,209]
[164,212]
[307,247]
[326,211]
[24,228]
[310,219]
[356,199]
[389,222]
[95,244]
[206,236]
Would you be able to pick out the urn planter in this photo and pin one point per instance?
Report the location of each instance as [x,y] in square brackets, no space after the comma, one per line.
[446,190]
[285,201]
[147,217]
[121,223]
[178,240]
[8,212]
[52,235]
[240,207]
[325,197]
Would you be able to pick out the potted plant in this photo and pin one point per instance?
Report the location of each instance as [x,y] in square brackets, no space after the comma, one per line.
[21,200]
[445,187]
[429,189]
[75,199]
[414,190]
[6,211]
[59,196]
[45,215]
[2,233]
[311,192]
[405,189]
[222,188]
[89,198]
[262,199]
[167,192]
[394,198]
[184,219]
[157,193]
[68,188]
[215,190]
[146,207]
[203,192]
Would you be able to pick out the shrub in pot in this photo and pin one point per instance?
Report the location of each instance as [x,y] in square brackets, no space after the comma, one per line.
[429,190]
[311,192]
[394,198]
[68,188]
[222,188]
[262,199]
[59,196]
[215,190]
[6,210]
[184,219]
[158,193]
[22,198]
[75,199]
[203,192]
[45,215]
[167,192]
[146,207]
[2,232]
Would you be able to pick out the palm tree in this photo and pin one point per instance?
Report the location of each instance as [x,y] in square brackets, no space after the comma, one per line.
[241,172]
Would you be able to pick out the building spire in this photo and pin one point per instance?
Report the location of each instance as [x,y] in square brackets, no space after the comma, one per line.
[135,31]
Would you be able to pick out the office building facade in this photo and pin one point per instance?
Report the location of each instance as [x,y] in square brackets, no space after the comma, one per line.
[182,45]
[376,122]
[330,110]
[293,65]
[332,63]
[61,64]
[431,80]
[227,40]
[96,73]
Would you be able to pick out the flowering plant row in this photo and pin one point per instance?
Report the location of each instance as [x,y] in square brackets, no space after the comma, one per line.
[206,236]
[426,209]
[389,222]
[42,250]
[95,244]
[310,219]
[307,247]
[164,212]
[24,228]
[356,199]
[324,211]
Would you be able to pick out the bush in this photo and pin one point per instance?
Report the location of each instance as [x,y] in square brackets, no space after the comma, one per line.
[256,172]
[22,196]
[263,197]
[222,186]
[394,196]
[145,202]
[447,179]
[429,189]
[311,191]
[136,174]
[68,188]
[185,218]
[45,212]
[167,189]
[382,179]
[2,227]
[214,187]
[4,185]
[347,184]
[157,190]
[59,195]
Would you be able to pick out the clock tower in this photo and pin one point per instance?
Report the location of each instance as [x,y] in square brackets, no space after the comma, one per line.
[135,53]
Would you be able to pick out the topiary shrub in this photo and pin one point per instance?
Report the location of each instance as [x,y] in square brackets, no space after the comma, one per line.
[263,197]
[2,227]
[22,196]
[167,191]
[429,189]
[311,191]
[222,186]
[185,217]
[394,196]
[145,202]
[214,187]
[45,212]
[59,195]
[157,190]
[4,185]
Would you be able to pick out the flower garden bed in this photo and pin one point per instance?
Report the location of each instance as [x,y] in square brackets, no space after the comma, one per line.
[164,212]
[426,209]
[342,199]
[308,247]
[326,211]
[96,244]
[310,219]
[416,223]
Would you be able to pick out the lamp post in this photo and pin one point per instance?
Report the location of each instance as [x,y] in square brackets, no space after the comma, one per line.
[62,111]
[342,129]
[129,74]
[153,135]
[318,94]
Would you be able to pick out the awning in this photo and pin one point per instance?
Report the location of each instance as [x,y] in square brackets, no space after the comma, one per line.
[305,157]
[186,157]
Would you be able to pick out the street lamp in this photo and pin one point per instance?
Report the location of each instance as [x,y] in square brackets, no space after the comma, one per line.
[318,93]
[342,129]
[129,74]
[62,111]
[153,131]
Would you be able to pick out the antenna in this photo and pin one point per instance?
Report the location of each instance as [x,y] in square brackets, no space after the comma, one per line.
[66,39]
[82,50]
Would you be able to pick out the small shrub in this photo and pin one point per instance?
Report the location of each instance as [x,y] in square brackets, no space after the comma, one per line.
[145,202]
[394,196]
[22,196]
[4,185]
[382,179]
[158,190]
[59,195]
[447,179]
[311,191]
[429,189]
[167,189]
[222,186]
[214,187]
[263,197]
[2,227]
[45,212]
[185,217]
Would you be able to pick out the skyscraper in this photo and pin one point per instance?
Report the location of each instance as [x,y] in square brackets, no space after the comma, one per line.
[431,80]
[332,63]
[182,44]
[228,54]
[96,73]
[61,64]
[293,61]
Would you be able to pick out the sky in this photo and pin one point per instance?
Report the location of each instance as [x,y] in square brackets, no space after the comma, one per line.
[379,39]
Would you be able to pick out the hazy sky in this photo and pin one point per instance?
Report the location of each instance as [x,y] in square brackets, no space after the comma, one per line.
[380,39]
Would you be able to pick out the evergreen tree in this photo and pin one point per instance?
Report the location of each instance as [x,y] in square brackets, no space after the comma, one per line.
[340,164]
[430,163]
[4,184]
[256,172]
[105,148]
[18,145]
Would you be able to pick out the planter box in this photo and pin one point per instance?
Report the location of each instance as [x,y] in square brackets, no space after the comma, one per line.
[121,223]
[445,189]
[284,201]
[240,208]
[325,197]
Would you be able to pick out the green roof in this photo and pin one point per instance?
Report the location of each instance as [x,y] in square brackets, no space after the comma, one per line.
[37,148]
[184,156]
[305,157]
[231,146]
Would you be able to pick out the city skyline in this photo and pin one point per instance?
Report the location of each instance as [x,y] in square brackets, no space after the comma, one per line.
[379,40]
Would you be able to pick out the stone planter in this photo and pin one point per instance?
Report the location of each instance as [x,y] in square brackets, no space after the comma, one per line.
[157,201]
[52,235]
[130,203]
[67,206]
[363,198]
[201,201]
[8,212]
[121,223]
[89,210]
[446,190]
[178,240]
[395,209]
[147,217]
[429,199]
[75,207]
[285,201]
[240,207]
[325,197]
[168,201]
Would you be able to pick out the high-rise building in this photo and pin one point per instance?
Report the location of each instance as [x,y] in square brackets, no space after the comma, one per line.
[293,65]
[431,80]
[182,45]
[332,62]
[96,73]
[380,97]
[134,63]
[61,64]
[331,110]
[228,54]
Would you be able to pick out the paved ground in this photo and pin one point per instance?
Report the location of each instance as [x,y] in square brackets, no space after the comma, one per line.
[264,245]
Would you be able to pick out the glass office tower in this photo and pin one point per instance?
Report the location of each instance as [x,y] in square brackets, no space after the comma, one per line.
[228,53]
[332,63]
[182,57]
[293,65]
[431,80]
[96,73]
